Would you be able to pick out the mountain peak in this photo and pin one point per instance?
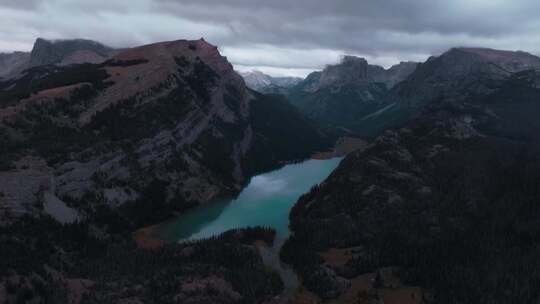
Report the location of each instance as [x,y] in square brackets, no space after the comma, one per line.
[168,51]
[46,52]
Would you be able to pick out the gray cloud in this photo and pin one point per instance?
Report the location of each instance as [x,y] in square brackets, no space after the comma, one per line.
[283,36]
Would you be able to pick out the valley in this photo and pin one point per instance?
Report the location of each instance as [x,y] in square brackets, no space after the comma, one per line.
[157,174]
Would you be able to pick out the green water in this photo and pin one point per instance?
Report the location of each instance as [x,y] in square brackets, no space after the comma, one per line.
[266,201]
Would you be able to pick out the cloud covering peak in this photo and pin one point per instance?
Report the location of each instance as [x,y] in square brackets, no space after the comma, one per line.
[282,36]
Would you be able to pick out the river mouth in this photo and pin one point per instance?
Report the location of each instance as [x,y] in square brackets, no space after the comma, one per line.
[266,201]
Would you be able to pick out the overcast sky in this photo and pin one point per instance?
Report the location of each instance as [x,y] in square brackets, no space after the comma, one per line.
[282,37]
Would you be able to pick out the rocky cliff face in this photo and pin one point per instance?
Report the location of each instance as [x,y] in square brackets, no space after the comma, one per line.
[154,129]
[442,199]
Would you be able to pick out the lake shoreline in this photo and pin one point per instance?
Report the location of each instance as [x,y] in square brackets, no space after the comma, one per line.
[156,235]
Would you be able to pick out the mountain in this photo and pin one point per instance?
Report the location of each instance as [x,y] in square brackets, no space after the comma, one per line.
[55,52]
[169,118]
[261,82]
[458,74]
[442,209]
[65,52]
[342,94]
[91,152]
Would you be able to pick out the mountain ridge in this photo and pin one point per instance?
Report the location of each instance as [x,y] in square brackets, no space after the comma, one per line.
[147,117]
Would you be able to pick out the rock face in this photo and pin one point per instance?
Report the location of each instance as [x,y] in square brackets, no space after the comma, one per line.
[341,95]
[444,196]
[261,82]
[54,52]
[156,128]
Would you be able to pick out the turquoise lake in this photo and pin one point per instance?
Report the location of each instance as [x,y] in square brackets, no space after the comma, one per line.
[266,201]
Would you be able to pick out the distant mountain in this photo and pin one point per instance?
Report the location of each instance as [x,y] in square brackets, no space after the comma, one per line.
[440,204]
[458,74]
[64,52]
[267,84]
[355,70]
[56,52]
[340,95]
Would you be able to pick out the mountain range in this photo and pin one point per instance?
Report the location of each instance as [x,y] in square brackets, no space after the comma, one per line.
[440,206]
[343,94]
